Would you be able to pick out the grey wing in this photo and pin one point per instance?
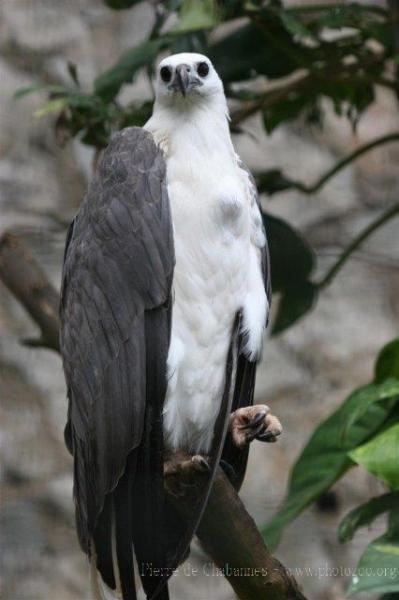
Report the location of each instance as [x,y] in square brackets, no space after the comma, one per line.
[115,327]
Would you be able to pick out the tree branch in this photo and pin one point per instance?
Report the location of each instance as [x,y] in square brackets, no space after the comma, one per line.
[26,280]
[227,531]
[392,212]
[230,537]
[270,98]
[341,164]
[285,86]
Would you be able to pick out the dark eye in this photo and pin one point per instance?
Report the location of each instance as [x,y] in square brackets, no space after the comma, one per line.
[166,74]
[203,69]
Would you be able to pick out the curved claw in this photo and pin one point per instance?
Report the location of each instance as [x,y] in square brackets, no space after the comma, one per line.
[259,418]
[180,472]
[254,422]
[202,463]
[267,436]
[254,434]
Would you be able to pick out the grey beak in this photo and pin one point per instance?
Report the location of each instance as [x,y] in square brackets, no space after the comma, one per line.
[182,78]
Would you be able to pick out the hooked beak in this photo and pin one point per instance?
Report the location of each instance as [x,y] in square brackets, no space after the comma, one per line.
[182,79]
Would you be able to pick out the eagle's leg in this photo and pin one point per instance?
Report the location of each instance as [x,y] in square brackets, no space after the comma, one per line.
[254,423]
[180,470]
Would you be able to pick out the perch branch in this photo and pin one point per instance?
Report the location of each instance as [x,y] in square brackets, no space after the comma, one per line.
[227,532]
[25,279]
[230,537]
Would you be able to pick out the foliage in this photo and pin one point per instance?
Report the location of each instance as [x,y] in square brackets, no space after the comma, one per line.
[329,43]
[308,52]
[291,278]
[364,431]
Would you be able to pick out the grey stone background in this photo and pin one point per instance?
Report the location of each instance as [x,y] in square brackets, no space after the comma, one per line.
[305,373]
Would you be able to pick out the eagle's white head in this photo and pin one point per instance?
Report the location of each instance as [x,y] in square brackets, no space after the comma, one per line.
[187,78]
[190,110]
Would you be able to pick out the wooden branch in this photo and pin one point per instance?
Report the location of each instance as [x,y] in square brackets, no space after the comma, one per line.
[231,538]
[344,162]
[270,98]
[26,280]
[387,215]
[280,89]
[227,532]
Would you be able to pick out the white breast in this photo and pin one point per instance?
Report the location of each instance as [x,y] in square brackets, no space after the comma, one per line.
[216,266]
[211,219]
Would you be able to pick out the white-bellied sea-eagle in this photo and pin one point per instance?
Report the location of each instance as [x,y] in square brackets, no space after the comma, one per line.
[165,296]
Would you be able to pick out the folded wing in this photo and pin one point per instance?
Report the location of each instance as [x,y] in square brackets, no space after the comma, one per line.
[115,329]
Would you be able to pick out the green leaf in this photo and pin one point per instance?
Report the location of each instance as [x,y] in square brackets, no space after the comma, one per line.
[291,257]
[294,25]
[388,361]
[350,15]
[252,50]
[297,300]
[73,72]
[288,109]
[53,106]
[325,457]
[378,568]
[272,181]
[366,513]
[121,4]
[194,15]
[193,41]
[292,263]
[136,115]
[108,84]
[393,521]
[40,87]
[380,456]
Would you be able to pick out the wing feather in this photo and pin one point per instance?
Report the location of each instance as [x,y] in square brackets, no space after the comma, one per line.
[117,276]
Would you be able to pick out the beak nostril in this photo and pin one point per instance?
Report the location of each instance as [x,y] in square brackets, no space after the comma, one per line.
[184,67]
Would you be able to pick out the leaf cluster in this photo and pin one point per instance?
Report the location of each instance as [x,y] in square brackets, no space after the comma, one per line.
[363,431]
[304,54]
[342,48]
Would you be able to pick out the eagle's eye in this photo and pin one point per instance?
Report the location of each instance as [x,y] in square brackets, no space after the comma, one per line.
[203,69]
[166,74]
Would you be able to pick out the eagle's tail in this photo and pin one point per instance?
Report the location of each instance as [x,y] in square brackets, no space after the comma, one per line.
[133,520]
[130,526]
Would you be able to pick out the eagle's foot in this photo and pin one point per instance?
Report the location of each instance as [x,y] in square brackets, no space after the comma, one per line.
[181,471]
[254,423]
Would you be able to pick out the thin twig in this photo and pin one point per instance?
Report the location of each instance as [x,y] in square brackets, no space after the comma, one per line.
[26,280]
[268,100]
[307,78]
[315,8]
[386,216]
[341,164]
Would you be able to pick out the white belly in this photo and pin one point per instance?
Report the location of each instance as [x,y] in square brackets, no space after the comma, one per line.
[212,243]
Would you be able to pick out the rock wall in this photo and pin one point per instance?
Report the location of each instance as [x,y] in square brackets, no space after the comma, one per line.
[305,373]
